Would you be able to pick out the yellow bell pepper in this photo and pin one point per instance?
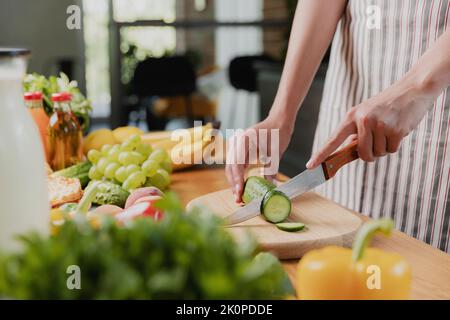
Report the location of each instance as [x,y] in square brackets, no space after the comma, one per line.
[362,273]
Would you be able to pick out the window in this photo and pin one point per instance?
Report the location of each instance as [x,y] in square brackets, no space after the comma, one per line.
[95,26]
[147,41]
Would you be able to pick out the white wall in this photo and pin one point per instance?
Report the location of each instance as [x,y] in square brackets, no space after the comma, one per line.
[40,25]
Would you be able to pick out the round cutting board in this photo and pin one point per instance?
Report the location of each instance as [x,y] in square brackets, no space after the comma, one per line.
[327,223]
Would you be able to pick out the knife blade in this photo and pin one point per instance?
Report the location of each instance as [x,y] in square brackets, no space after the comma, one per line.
[301,183]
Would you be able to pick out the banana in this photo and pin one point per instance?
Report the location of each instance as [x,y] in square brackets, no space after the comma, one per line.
[184,150]
[165,144]
[157,136]
[153,137]
[185,154]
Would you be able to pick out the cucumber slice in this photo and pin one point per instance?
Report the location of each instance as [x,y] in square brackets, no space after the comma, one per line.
[276,206]
[255,188]
[290,226]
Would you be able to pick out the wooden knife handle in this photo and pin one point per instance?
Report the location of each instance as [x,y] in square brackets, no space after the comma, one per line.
[341,157]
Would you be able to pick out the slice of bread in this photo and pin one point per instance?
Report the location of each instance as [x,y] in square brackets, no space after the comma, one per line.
[62,190]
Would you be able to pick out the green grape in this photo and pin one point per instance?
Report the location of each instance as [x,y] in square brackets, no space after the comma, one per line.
[134,139]
[138,177]
[121,174]
[94,174]
[149,167]
[132,168]
[104,150]
[167,165]
[101,164]
[161,179]
[113,153]
[132,182]
[144,149]
[139,157]
[158,155]
[110,170]
[127,146]
[129,185]
[94,155]
[126,158]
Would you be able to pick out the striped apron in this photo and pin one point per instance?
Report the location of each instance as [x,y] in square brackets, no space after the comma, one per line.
[412,185]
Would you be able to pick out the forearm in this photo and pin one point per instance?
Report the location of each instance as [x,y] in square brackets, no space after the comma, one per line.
[431,73]
[312,31]
[382,121]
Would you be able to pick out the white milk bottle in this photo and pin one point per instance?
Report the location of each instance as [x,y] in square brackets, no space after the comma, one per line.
[24,204]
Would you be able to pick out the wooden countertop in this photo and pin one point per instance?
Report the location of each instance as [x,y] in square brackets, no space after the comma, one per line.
[431,267]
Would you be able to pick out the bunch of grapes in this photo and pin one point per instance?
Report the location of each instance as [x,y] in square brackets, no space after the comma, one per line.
[131,164]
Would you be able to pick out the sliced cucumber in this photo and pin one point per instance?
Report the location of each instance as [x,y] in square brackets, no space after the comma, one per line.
[290,226]
[275,205]
[255,188]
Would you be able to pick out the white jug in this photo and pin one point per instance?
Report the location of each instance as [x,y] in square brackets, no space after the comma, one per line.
[24,204]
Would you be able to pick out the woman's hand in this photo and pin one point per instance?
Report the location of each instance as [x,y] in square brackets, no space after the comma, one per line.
[379,123]
[306,50]
[263,143]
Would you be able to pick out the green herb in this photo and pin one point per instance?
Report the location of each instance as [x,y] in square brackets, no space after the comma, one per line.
[81,107]
[183,256]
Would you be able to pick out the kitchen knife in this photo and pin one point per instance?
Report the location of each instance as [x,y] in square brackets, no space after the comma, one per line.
[305,181]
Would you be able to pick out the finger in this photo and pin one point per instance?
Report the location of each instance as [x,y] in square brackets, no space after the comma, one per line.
[238,181]
[229,175]
[231,161]
[342,132]
[270,172]
[393,143]
[239,157]
[379,140]
[365,141]
[271,166]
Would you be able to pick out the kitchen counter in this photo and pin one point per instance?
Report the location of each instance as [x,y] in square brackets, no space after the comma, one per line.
[430,266]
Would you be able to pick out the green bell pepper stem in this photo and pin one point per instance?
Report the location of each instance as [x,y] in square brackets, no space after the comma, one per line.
[366,233]
[88,197]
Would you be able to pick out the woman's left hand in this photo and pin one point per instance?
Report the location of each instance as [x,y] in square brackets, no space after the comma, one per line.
[379,123]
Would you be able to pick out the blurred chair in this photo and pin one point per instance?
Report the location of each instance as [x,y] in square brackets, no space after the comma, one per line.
[163,77]
[243,76]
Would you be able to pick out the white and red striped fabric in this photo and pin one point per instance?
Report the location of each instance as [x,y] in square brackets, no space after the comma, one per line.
[412,185]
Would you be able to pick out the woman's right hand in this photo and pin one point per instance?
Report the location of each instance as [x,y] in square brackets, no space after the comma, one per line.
[263,143]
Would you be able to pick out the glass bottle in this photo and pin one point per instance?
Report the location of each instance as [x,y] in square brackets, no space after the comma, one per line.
[35,106]
[23,182]
[65,134]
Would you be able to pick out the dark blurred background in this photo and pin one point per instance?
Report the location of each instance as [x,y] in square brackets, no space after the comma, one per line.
[161,64]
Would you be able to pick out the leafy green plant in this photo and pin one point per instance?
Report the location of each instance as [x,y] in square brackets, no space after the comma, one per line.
[81,106]
[183,256]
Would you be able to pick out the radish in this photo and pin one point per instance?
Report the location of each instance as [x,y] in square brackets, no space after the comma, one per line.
[133,212]
[153,212]
[152,199]
[140,209]
[108,209]
[140,193]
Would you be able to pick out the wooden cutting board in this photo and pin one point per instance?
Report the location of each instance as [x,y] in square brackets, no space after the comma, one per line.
[327,223]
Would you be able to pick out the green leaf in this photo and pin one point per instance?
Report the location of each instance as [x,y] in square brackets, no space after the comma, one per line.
[183,256]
